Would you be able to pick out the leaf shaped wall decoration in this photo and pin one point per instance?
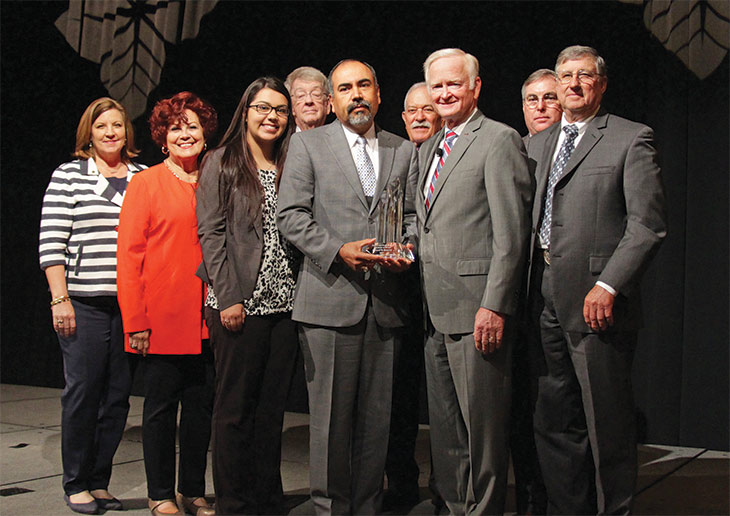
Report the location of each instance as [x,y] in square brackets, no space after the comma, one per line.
[698,31]
[128,38]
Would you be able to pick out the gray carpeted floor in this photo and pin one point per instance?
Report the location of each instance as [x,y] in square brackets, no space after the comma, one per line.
[671,480]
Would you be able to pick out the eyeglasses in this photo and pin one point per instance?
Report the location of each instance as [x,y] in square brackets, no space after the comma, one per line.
[584,77]
[265,109]
[549,100]
[315,95]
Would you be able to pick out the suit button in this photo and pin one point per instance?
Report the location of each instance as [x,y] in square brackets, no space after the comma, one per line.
[426,230]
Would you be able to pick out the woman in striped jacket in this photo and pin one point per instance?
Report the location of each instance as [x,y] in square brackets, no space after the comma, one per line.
[78,243]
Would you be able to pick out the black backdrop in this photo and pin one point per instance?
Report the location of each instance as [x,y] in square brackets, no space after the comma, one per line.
[681,367]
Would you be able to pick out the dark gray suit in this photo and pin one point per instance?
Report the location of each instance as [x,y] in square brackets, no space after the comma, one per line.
[607,223]
[472,247]
[351,321]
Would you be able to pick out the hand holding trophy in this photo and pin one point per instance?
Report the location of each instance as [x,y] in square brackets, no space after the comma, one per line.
[389,242]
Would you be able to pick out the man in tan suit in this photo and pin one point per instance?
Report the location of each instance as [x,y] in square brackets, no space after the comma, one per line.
[473,199]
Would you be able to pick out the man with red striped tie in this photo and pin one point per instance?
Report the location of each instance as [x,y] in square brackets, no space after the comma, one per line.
[474,194]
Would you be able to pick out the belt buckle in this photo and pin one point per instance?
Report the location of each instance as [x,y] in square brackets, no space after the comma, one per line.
[546,256]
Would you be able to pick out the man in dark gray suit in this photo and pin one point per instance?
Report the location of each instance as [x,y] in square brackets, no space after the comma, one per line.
[473,199]
[598,220]
[351,304]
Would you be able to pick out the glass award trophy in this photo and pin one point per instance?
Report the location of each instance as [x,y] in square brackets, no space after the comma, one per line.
[389,241]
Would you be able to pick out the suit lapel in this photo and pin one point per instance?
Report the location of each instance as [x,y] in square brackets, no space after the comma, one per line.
[103,188]
[337,143]
[543,169]
[465,139]
[587,142]
[425,158]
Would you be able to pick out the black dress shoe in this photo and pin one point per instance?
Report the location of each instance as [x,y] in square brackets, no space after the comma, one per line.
[109,504]
[84,508]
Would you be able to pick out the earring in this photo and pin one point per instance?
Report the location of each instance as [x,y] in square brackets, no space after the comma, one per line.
[164,150]
[205,146]
[90,144]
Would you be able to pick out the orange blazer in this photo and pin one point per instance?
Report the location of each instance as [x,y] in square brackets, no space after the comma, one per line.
[158,253]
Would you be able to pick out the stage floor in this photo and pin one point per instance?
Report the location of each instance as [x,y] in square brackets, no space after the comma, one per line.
[672,480]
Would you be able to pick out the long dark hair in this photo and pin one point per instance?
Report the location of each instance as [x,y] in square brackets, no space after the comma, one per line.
[239,173]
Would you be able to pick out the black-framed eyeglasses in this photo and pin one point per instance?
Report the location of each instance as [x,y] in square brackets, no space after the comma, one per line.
[549,100]
[584,77]
[265,109]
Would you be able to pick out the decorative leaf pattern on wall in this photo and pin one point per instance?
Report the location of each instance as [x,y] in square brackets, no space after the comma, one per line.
[698,31]
[128,38]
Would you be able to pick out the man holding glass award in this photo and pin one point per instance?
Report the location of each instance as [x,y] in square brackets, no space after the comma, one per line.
[338,183]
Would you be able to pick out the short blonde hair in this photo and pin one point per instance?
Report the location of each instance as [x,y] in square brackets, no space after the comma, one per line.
[83,149]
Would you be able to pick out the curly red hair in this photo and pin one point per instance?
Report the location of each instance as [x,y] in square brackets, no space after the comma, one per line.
[170,111]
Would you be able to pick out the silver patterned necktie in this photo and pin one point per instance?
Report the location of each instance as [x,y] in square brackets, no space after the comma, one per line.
[571,133]
[365,168]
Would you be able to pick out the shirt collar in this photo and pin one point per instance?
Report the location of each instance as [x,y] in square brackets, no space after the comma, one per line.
[580,125]
[352,136]
[93,169]
[460,128]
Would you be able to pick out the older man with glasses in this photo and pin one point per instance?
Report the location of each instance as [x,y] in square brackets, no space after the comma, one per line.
[310,102]
[598,219]
[540,103]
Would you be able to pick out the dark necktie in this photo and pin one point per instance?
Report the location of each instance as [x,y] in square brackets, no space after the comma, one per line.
[571,132]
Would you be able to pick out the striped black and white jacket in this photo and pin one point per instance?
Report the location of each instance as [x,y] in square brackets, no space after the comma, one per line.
[79,220]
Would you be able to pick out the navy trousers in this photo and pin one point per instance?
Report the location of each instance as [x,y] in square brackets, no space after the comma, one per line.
[95,401]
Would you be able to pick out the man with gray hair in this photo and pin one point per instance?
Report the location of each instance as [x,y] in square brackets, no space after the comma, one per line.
[419,114]
[540,103]
[598,219]
[309,96]
[474,193]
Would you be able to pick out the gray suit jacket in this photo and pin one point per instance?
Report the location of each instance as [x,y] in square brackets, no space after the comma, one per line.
[322,206]
[608,216]
[473,239]
[231,248]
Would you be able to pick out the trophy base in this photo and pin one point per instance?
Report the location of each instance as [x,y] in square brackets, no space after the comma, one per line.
[393,250]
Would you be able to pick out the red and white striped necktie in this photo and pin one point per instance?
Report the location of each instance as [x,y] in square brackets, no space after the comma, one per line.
[448,144]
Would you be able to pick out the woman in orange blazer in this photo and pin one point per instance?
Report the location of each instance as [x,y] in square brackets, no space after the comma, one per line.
[161,301]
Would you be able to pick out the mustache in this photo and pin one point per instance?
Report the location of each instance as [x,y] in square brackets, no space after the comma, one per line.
[425,124]
[356,104]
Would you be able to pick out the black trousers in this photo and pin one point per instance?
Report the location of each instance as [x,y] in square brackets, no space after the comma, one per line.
[169,381]
[584,417]
[95,401]
[254,367]
[401,467]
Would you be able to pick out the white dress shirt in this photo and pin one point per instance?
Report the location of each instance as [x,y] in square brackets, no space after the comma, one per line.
[371,146]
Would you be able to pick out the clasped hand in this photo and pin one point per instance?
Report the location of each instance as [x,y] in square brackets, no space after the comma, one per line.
[356,259]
